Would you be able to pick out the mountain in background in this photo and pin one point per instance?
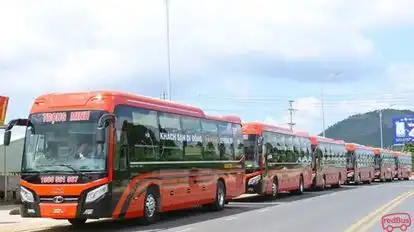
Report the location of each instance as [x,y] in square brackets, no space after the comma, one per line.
[365,128]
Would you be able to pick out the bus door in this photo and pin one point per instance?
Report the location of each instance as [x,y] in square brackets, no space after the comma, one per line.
[397,166]
[121,169]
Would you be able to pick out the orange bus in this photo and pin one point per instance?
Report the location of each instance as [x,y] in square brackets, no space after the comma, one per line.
[273,160]
[384,165]
[328,162]
[108,154]
[359,163]
[403,165]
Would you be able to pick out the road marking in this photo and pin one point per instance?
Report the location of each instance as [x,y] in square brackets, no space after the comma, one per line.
[377,218]
[366,219]
[256,203]
[263,210]
[185,230]
[230,218]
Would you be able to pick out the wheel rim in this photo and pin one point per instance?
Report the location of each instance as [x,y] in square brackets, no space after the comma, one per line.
[301,186]
[150,205]
[220,196]
[274,189]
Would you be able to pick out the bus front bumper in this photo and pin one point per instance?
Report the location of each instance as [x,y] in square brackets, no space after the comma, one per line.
[68,207]
[254,185]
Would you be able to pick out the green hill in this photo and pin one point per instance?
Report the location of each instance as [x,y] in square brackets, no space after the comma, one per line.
[365,128]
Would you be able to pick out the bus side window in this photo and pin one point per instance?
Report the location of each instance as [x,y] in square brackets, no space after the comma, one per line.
[123,115]
[144,136]
[238,141]
[210,140]
[171,137]
[193,144]
[226,141]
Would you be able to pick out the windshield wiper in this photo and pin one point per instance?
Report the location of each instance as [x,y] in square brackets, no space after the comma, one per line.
[62,165]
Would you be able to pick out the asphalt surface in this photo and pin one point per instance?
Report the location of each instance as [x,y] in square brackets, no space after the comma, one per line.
[329,210]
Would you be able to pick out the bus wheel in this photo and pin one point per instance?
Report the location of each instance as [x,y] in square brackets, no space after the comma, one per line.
[339,184]
[275,187]
[77,221]
[323,186]
[301,187]
[151,206]
[220,197]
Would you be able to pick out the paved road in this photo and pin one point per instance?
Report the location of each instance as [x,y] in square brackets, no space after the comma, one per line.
[331,210]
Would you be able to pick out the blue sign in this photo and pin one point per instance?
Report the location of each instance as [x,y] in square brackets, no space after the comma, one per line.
[403,129]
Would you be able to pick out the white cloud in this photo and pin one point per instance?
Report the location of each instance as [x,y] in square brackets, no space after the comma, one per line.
[66,45]
[78,44]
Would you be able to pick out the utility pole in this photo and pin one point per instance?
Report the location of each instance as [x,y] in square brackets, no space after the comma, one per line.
[167,17]
[291,110]
[163,96]
[380,122]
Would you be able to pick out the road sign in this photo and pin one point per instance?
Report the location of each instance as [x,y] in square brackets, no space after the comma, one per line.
[403,129]
[4,101]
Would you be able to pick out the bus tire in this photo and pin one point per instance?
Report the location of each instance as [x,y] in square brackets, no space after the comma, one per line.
[339,183]
[76,222]
[323,186]
[275,187]
[301,187]
[220,201]
[151,206]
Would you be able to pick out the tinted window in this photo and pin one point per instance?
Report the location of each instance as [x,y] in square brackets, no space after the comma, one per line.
[171,137]
[137,135]
[226,146]
[191,124]
[238,141]
[210,140]
[193,144]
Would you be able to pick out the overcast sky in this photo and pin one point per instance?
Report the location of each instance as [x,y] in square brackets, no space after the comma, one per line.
[244,57]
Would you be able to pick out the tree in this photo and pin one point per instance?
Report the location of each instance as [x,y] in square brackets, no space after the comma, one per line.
[410,148]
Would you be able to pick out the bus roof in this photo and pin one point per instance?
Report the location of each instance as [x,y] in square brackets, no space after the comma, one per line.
[302,134]
[317,139]
[377,151]
[225,118]
[354,146]
[107,100]
[258,128]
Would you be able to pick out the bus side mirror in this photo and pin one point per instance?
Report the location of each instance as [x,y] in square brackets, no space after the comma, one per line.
[7,137]
[100,135]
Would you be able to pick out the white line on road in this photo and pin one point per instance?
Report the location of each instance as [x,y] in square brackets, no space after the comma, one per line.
[185,230]
[263,210]
[230,218]
[256,203]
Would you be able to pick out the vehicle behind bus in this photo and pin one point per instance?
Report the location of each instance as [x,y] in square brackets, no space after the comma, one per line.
[328,162]
[384,165]
[404,162]
[360,163]
[276,160]
[115,155]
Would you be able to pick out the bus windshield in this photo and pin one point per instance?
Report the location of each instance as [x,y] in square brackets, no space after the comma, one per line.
[350,160]
[250,142]
[377,161]
[63,142]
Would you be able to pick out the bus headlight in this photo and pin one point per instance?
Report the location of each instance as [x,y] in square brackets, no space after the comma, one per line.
[254,180]
[96,193]
[26,195]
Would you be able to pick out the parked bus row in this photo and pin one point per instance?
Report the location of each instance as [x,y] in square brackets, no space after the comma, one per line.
[103,154]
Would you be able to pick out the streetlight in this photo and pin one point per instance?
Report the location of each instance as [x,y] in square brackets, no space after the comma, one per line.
[167,17]
[381,125]
[322,105]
